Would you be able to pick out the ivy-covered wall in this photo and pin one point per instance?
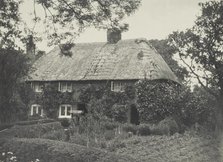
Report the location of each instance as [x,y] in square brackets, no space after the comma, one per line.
[86,92]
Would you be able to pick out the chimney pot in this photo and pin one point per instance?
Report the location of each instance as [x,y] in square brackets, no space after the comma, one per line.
[113,35]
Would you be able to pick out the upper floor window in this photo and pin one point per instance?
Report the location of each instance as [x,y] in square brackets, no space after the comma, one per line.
[37,86]
[65,111]
[36,110]
[65,87]
[117,86]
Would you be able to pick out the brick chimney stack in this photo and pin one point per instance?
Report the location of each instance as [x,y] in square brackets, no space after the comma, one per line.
[30,47]
[113,35]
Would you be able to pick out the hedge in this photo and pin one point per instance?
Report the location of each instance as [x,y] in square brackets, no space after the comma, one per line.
[56,151]
[33,131]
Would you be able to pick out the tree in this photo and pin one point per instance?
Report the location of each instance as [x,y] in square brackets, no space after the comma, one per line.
[200,49]
[12,67]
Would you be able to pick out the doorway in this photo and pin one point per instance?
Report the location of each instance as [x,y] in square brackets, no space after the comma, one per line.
[134,115]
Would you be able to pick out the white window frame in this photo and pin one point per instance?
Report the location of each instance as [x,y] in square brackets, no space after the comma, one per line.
[117,86]
[66,106]
[37,107]
[67,87]
[37,86]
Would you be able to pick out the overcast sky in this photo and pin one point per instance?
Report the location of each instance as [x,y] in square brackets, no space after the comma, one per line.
[155,19]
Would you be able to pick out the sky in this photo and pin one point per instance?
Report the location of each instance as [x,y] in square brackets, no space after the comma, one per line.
[155,19]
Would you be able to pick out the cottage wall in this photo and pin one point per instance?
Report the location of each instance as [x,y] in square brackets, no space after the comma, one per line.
[77,87]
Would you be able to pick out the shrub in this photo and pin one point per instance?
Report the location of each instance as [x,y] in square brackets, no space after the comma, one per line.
[5,126]
[54,135]
[57,151]
[79,139]
[119,113]
[168,126]
[144,129]
[107,125]
[109,134]
[33,131]
[30,122]
[129,128]
[116,144]
[65,123]
[156,100]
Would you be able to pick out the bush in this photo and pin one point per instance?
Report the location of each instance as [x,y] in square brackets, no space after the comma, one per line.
[156,100]
[55,135]
[129,128]
[56,151]
[107,125]
[33,131]
[116,144]
[79,139]
[144,129]
[168,126]
[30,122]
[109,134]
[119,113]
[65,123]
[5,126]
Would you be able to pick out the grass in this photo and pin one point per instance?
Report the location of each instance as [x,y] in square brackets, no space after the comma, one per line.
[56,151]
[179,147]
[189,146]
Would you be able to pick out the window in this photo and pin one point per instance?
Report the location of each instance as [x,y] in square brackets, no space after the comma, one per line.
[117,86]
[65,111]
[37,86]
[36,110]
[65,87]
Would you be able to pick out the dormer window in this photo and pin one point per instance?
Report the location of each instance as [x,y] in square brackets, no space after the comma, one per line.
[117,86]
[37,86]
[65,87]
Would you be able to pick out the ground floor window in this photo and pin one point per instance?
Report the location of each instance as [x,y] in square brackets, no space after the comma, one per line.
[65,111]
[36,110]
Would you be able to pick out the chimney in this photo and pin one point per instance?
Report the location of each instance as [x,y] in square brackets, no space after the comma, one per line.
[113,35]
[30,47]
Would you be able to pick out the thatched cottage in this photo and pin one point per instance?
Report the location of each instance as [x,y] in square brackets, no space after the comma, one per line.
[116,62]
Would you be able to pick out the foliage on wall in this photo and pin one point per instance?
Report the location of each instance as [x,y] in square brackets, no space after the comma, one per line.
[103,103]
[51,99]
[158,100]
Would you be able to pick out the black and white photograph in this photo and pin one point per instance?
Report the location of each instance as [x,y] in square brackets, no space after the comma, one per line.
[111,81]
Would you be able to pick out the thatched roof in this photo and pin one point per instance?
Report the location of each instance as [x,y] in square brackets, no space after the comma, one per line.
[125,60]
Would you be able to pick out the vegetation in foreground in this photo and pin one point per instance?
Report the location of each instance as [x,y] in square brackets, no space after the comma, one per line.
[47,142]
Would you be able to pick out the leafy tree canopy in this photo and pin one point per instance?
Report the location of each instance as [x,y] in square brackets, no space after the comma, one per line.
[64,19]
[200,49]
